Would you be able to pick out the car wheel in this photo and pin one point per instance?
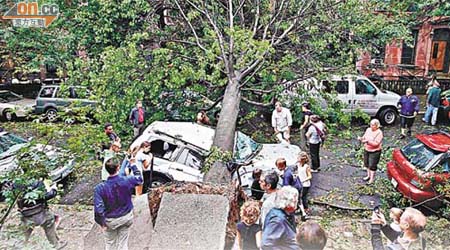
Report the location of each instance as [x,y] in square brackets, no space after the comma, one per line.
[388,116]
[158,181]
[51,114]
[8,115]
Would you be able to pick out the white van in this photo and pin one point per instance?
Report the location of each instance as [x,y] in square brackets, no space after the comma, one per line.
[356,92]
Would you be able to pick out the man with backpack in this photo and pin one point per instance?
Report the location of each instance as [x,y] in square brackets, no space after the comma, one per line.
[316,136]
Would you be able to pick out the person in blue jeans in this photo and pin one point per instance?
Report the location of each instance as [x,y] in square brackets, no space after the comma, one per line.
[433,102]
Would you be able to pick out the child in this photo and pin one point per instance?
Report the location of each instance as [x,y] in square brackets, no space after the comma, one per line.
[304,173]
[248,232]
[395,214]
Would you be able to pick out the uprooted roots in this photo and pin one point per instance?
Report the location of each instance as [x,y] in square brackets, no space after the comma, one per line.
[234,194]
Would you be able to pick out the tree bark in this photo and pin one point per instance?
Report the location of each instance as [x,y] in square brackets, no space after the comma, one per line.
[225,130]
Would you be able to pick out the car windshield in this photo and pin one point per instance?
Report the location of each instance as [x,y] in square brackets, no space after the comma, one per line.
[244,147]
[9,97]
[9,140]
[419,154]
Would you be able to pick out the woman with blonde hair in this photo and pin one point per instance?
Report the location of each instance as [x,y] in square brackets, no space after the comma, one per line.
[305,175]
[249,233]
[372,140]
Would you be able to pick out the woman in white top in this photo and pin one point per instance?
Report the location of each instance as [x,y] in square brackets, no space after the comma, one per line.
[316,128]
[304,173]
[144,159]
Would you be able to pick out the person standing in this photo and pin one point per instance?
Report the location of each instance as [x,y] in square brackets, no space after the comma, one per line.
[409,107]
[433,102]
[372,140]
[113,206]
[281,123]
[311,236]
[108,154]
[248,235]
[290,179]
[109,131]
[137,118]
[144,162]
[314,135]
[279,230]
[269,182]
[307,113]
[35,212]
[304,173]
[256,189]
[412,223]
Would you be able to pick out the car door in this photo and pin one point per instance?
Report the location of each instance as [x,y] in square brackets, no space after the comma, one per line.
[365,97]
[45,99]
[344,94]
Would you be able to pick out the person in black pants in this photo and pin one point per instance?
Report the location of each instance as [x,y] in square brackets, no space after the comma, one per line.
[316,128]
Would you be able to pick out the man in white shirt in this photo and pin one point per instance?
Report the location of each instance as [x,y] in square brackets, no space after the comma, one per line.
[282,122]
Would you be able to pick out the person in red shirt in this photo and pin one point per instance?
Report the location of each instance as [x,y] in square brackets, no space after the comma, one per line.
[137,118]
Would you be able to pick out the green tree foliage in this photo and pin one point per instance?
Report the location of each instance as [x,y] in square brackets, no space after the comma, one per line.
[235,50]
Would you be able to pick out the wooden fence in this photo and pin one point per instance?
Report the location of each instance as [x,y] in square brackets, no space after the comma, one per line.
[419,87]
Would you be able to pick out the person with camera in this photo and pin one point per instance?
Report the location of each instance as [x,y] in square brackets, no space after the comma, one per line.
[113,208]
[412,223]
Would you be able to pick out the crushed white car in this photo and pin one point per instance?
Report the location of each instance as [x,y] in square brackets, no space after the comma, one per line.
[180,148]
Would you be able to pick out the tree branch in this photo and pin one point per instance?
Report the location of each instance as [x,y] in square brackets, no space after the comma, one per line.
[197,39]
[258,103]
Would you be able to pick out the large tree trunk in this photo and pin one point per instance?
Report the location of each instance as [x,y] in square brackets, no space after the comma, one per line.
[226,126]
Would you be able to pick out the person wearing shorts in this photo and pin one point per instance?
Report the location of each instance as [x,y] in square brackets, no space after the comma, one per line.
[372,140]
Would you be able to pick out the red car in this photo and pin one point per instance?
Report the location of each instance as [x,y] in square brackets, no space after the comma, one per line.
[419,166]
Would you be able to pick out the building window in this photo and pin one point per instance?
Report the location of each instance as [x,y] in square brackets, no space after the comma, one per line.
[409,50]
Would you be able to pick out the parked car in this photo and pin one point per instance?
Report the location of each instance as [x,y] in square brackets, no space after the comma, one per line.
[180,149]
[418,167]
[54,98]
[13,105]
[10,144]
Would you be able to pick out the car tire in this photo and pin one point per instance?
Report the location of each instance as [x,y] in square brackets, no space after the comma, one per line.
[388,116]
[159,180]
[8,115]
[51,114]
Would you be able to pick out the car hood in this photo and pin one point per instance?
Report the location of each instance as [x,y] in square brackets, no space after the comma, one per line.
[265,160]
[7,159]
[271,152]
[23,102]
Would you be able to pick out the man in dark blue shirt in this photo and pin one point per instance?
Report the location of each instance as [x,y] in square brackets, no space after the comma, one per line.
[289,178]
[113,206]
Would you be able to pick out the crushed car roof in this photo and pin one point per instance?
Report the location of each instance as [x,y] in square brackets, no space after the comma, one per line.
[437,141]
[192,133]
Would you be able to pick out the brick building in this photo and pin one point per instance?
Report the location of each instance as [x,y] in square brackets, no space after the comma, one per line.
[427,54]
